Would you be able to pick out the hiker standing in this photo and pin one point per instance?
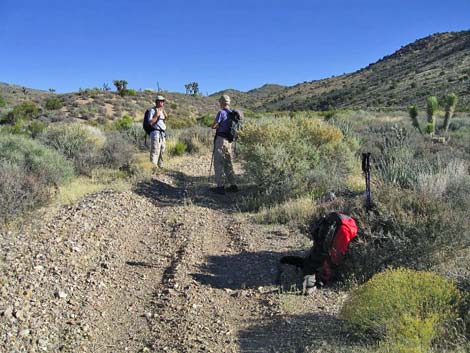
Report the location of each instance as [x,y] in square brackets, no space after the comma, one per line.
[223,148]
[157,117]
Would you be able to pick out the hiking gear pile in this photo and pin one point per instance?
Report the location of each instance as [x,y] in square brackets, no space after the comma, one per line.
[331,236]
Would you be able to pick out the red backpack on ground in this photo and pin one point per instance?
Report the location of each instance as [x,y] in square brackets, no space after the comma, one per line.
[332,236]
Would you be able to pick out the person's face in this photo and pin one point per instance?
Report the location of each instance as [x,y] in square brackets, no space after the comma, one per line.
[160,104]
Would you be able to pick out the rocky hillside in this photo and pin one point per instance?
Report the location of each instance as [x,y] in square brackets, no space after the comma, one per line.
[95,104]
[435,65]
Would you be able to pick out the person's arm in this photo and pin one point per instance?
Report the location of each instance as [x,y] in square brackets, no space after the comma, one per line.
[215,124]
[155,116]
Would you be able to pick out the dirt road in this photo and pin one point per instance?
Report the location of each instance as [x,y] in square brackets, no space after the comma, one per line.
[167,267]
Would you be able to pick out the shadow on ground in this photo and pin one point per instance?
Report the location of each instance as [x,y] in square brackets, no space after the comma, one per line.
[243,270]
[311,332]
[176,188]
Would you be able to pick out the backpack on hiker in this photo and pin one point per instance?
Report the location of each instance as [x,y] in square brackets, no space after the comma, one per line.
[236,120]
[146,123]
[331,236]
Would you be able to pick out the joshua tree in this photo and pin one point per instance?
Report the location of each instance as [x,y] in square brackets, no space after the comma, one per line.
[431,109]
[106,87]
[52,90]
[413,111]
[195,86]
[121,86]
[192,88]
[450,103]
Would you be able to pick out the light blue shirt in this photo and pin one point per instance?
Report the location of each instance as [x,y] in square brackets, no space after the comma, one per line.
[159,125]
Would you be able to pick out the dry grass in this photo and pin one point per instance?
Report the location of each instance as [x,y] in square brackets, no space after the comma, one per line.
[101,179]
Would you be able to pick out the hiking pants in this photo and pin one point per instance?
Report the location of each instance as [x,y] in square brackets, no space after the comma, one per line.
[223,161]
[157,147]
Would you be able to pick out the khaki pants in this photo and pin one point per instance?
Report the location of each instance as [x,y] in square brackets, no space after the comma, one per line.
[223,161]
[157,147]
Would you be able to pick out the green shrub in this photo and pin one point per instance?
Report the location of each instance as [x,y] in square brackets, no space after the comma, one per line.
[286,158]
[53,103]
[36,159]
[23,111]
[76,143]
[130,92]
[124,123]
[406,307]
[178,148]
[430,127]
[35,128]
[206,120]
[2,102]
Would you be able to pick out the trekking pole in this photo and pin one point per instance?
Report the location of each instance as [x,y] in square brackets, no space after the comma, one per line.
[366,171]
[212,159]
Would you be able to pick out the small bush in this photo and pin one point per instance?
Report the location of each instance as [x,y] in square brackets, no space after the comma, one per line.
[123,123]
[77,143]
[23,111]
[20,190]
[117,152]
[136,135]
[2,102]
[36,159]
[437,183]
[53,103]
[206,120]
[298,211]
[405,307]
[35,128]
[177,149]
[196,138]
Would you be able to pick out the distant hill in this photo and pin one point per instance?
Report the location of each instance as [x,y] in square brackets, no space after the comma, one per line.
[435,65]
[93,104]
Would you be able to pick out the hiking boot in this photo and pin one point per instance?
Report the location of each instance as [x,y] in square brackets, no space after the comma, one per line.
[232,188]
[218,190]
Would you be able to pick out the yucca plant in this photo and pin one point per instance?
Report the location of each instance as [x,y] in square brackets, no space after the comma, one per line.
[431,109]
[450,102]
[413,112]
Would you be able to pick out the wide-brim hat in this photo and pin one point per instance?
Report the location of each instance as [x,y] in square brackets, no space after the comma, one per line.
[160,99]
[224,99]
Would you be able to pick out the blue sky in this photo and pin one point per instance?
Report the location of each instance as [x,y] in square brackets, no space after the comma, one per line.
[72,44]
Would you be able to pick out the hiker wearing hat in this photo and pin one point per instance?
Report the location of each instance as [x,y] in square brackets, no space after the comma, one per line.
[223,149]
[157,117]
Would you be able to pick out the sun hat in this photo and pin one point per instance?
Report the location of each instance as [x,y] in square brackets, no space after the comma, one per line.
[160,98]
[224,99]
